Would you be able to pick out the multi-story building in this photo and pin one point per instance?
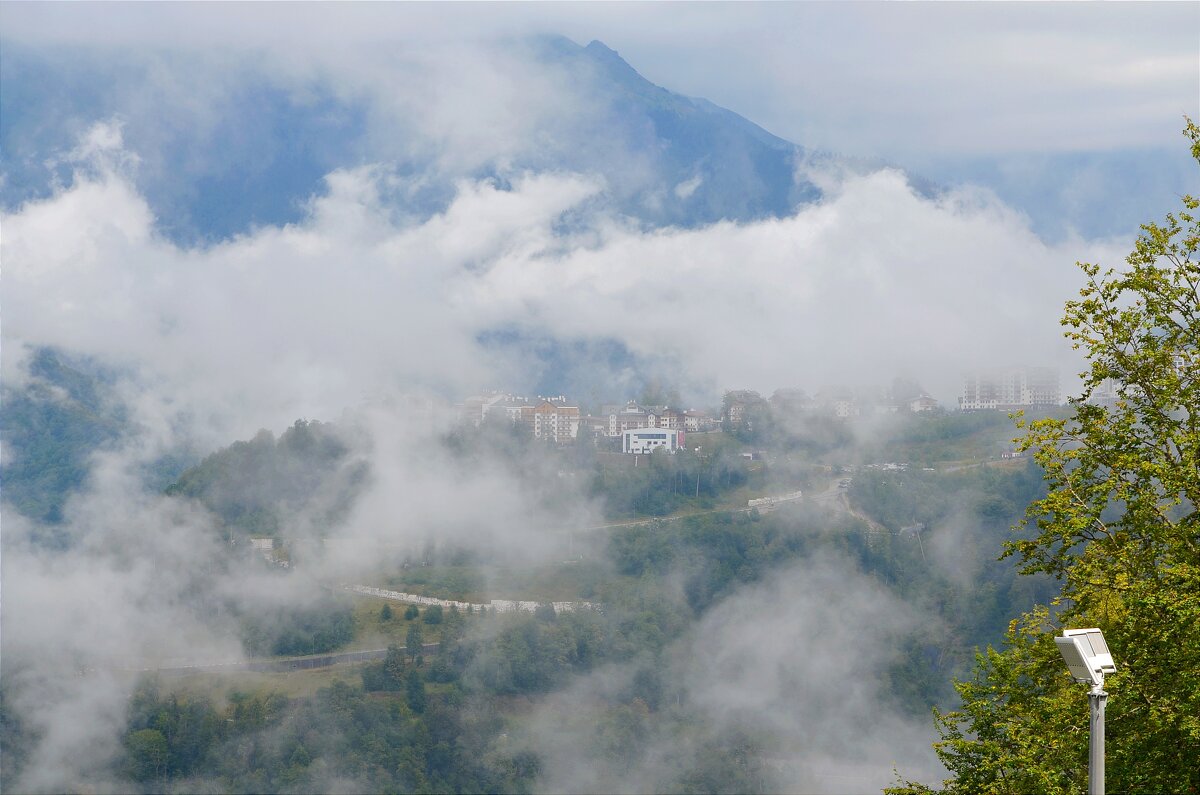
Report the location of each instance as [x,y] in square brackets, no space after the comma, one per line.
[1105,393]
[631,415]
[1010,389]
[737,404]
[639,441]
[556,421]
[671,419]
[476,408]
[837,401]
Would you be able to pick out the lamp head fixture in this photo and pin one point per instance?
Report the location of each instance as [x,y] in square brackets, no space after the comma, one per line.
[1086,654]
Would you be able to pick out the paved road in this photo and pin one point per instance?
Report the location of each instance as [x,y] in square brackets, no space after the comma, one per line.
[286,664]
[832,493]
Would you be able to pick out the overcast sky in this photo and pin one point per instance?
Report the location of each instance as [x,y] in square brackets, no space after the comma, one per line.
[897,80]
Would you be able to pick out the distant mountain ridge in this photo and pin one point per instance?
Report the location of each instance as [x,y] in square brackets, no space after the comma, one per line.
[666,159]
[705,163]
[261,148]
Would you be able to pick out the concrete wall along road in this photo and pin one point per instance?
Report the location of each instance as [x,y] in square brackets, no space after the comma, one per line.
[495,605]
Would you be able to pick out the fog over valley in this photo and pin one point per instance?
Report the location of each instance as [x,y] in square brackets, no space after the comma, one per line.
[618,436]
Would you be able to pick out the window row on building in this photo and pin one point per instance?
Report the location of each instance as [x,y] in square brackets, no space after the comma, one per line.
[1010,389]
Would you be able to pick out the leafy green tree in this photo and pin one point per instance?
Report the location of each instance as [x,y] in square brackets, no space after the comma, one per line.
[290,630]
[146,754]
[414,691]
[413,641]
[385,613]
[393,665]
[433,614]
[386,675]
[1120,529]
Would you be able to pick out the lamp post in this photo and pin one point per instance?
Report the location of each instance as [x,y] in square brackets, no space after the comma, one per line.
[1088,659]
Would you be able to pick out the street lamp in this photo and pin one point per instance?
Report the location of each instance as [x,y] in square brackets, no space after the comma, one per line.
[1088,659]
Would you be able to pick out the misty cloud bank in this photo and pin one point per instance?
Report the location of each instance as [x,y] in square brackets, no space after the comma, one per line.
[142,581]
[307,319]
[794,665]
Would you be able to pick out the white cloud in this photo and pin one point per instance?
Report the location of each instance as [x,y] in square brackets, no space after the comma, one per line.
[303,320]
[804,657]
[138,587]
[146,581]
[686,188]
[799,660]
[873,281]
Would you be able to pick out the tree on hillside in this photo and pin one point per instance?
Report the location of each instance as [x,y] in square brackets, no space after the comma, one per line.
[1120,529]
[146,754]
[413,641]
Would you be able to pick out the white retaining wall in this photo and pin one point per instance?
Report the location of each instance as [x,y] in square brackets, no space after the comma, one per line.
[495,605]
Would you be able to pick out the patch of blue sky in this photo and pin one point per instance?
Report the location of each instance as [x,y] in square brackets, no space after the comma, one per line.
[1100,194]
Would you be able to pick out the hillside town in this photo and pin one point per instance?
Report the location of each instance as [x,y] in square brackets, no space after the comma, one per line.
[643,428]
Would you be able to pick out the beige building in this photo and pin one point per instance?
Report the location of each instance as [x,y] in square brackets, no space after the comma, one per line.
[922,403]
[555,421]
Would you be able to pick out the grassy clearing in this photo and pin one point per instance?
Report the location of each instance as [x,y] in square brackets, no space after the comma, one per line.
[293,684]
[373,632]
[461,583]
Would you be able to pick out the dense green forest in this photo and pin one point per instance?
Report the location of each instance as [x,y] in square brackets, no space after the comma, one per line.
[439,722]
[459,718]
[253,487]
[323,626]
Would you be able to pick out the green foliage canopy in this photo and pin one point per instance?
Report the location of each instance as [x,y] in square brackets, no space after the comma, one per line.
[1120,529]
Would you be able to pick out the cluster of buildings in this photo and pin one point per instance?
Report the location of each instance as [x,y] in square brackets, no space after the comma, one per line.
[839,402]
[559,420]
[643,428]
[1001,389]
[1010,389]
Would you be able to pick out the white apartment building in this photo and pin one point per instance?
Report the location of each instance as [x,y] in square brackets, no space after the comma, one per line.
[640,441]
[1105,393]
[477,408]
[1010,389]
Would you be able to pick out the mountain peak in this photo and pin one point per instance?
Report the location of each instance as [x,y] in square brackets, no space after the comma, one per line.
[697,163]
[600,48]
[611,60]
